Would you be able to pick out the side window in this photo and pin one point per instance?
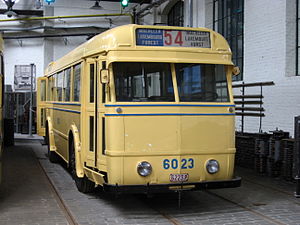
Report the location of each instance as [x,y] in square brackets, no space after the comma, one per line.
[54,89]
[92,82]
[76,89]
[43,90]
[50,89]
[1,64]
[2,74]
[60,78]
[67,82]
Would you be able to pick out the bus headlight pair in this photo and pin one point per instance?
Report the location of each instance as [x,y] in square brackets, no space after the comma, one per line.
[145,169]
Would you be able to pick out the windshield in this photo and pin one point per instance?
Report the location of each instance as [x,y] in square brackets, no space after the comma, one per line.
[144,82]
[150,82]
[201,82]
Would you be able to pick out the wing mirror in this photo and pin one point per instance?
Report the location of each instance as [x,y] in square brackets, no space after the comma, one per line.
[104,76]
[235,70]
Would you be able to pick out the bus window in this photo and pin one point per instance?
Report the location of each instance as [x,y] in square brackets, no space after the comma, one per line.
[92,82]
[67,82]
[60,79]
[143,82]
[221,84]
[1,64]
[43,90]
[76,92]
[2,82]
[54,87]
[91,125]
[201,82]
[50,89]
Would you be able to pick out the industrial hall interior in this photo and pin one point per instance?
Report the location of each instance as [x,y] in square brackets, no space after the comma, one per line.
[181,112]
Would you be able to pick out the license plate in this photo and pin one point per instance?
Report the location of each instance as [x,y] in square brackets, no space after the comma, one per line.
[179,177]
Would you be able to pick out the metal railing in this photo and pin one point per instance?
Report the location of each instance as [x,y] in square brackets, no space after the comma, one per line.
[250,105]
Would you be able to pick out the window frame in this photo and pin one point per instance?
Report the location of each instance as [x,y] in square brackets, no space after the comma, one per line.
[297,37]
[223,23]
[177,9]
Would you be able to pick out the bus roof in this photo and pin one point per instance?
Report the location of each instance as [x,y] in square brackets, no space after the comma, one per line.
[125,38]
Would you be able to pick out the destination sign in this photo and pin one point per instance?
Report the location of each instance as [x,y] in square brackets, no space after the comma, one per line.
[172,38]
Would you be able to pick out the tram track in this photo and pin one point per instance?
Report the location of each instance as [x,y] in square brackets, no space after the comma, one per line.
[255,212]
[67,213]
[172,219]
[65,210]
[273,189]
[72,221]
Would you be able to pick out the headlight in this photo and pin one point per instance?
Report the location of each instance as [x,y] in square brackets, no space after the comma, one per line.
[144,168]
[212,166]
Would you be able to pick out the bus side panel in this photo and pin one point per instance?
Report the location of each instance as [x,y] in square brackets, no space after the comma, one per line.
[61,125]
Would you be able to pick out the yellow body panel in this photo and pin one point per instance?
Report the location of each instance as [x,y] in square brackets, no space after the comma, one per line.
[131,132]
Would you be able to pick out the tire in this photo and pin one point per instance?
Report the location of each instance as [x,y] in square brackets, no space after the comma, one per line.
[53,157]
[83,185]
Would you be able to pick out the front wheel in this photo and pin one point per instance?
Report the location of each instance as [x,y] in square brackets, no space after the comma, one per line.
[83,185]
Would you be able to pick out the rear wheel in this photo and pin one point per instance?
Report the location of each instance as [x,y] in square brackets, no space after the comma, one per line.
[83,184]
[53,157]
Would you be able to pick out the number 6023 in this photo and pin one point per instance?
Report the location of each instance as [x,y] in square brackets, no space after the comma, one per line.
[174,164]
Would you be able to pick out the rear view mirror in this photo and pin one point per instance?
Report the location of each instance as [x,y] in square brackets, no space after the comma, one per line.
[236,70]
[104,76]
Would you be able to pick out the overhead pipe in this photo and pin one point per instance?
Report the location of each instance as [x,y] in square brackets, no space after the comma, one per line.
[51,28]
[69,17]
[49,36]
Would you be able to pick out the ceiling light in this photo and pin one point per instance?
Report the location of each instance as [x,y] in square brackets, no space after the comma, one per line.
[97,5]
[14,1]
[10,4]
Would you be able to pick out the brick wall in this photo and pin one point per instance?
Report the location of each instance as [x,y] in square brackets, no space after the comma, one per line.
[269,55]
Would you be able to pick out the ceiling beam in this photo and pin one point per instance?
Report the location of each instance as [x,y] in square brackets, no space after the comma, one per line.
[25,12]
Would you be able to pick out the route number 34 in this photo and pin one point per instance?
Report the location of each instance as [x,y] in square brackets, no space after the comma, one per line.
[174,164]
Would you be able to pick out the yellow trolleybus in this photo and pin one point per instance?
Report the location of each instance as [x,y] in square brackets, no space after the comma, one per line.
[1,102]
[142,109]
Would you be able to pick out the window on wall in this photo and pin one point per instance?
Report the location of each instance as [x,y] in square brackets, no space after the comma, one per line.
[229,21]
[175,16]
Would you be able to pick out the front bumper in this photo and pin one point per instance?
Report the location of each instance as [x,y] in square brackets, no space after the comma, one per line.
[157,188]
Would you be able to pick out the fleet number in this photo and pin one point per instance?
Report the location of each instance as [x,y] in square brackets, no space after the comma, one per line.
[174,164]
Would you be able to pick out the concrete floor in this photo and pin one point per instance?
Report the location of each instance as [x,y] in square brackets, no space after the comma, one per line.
[26,197]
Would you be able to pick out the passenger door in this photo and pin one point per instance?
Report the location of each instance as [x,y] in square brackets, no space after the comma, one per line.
[41,105]
[90,121]
[100,123]
[95,115]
